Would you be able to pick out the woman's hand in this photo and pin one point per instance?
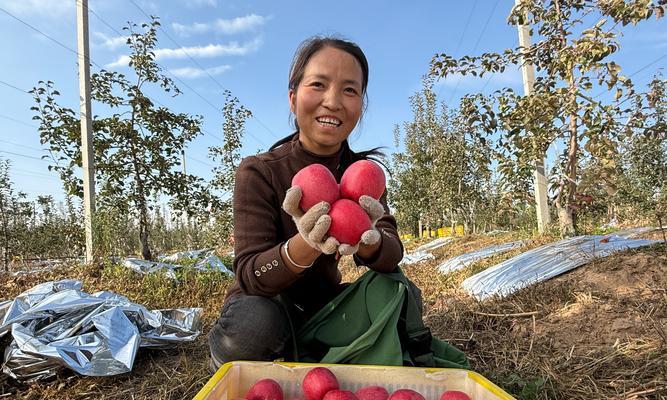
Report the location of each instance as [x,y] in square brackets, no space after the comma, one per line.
[370,241]
[314,224]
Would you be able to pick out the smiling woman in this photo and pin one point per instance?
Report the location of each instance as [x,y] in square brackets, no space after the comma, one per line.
[286,262]
[328,100]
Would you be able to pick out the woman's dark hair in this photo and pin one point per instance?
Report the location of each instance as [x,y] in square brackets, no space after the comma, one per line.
[303,54]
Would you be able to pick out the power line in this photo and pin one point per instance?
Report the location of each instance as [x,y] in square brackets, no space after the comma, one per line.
[14,87]
[486,24]
[33,175]
[90,59]
[38,31]
[177,78]
[23,155]
[458,46]
[479,38]
[633,74]
[203,69]
[465,27]
[18,121]
[172,74]
[21,145]
[200,161]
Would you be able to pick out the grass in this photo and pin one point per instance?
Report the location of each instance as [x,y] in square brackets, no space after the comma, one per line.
[535,344]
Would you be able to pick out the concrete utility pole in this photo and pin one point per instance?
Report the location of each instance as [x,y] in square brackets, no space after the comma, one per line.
[86,123]
[539,179]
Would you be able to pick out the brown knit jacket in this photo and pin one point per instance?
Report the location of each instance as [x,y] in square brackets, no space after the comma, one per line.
[261,227]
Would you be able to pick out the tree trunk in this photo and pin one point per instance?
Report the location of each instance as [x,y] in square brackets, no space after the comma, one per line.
[610,212]
[662,229]
[5,235]
[143,232]
[568,185]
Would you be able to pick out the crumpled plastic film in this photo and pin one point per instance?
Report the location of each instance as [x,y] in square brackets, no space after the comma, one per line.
[55,325]
[545,262]
[204,259]
[464,260]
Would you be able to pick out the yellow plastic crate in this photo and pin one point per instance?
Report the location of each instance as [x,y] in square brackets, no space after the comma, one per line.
[234,379]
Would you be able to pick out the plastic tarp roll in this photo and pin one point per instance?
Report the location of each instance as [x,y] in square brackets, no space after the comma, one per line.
[545,262]
[55,325]
[421,253]
[467,259]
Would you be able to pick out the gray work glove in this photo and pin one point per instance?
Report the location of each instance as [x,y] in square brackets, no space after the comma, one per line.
[314,224]
[375,211]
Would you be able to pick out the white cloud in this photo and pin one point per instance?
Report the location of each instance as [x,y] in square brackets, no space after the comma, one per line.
[192,73]
[226,26]
[187,30]
[123,61]
[240,24]
[209,51]
[110,43]
[49,8]
[200,3]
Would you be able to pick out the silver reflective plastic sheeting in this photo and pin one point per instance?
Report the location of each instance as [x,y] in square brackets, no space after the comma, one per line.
[56,325]
[421,253]
[204,260]
[545,262]
[464,260]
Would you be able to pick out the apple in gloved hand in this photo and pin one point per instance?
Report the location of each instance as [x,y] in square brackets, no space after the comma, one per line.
[362,177]
[317,184]
[348,221]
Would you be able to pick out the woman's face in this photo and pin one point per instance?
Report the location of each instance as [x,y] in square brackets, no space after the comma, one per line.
[327,102]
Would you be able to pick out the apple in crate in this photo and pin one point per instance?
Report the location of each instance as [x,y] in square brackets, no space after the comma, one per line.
[454,395]
[372,393]
[406,394]
[339,395]
[317,184]
[348,221]
[362,177]
[317,382]
[265,389]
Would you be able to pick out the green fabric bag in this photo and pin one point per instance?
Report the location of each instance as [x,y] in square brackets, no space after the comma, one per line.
[374,321]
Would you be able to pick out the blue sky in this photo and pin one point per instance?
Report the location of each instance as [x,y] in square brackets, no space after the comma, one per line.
[247,46]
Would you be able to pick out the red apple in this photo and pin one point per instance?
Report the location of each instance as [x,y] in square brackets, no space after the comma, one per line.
[265,389]
[406,394]
[348,221]
[317,382]
[317,184]
[339,395]
[372,393]
[362,177]
[454,395]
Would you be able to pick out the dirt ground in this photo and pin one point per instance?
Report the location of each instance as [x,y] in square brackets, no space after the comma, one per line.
[597,332]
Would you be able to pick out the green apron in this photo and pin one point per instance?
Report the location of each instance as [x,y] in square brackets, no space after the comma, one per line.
[375,321]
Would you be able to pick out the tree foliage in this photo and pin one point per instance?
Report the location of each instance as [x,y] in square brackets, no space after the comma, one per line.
[571,61]
[137,148]
[443,175]
[228,157]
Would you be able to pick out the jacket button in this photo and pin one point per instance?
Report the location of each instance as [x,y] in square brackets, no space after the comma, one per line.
[269,266]
[263,268]
[275,263]
[258,273]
